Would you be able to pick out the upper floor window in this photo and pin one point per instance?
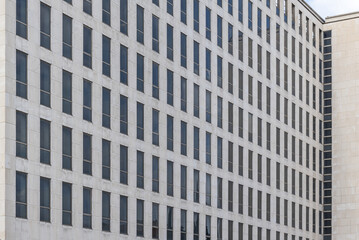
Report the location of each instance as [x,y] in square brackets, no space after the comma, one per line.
[184,11]
[66,36]
[21,18]
[45,26]
[106,12]
[250,15]
[123,16]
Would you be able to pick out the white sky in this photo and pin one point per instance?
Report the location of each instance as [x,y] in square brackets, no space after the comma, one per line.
[327,8]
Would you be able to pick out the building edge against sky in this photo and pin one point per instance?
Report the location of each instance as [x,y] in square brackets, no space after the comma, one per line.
[152,119]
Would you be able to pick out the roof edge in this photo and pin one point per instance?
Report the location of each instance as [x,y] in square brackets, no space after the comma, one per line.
[311,10]
[342,17]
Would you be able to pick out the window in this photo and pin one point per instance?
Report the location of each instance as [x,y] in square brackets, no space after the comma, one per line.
[87,46]
[208,106]
[230,231]
[87,6]
[106,211]
[21,134]
[259,22]
[169,133]
[240,11]
[45,26]
[219,192]
[183,94]
[250,52]
[123,164]
[21,195]
[21,74]
[87,100]
[220,112]
[123,214]
[268,208]
[140,121]
[184,138]
[66,203]
[170,7]
[230,39]
[123,114]
[106,159]
[123,16]
[268,36]
[196,105]
[155,174]
[196,226]
[219,152]
[196,143]
[184,11]
[208,23]
[240,45]
[140,170]
[140,225]
[259,168]
[230,196]
[208,227]
[87,154]
[219,31]
[240,84]
[259,59]
[66,36]
[66,92]
[156,2]
[208,190]
[21,18]
[230,117]
[169,178]
[140,73]
[196,186]
[155,220]
[208,64]
[140,24]
[45,83]
[155,34]
[250,164]
[240,199]
[250,13]
[45,141]
[183,226]
[155,127]
[219,71]
[106,56]
[240,122]
[250,127]
[183,182]
[123,64]
[87,208]
[66,148]
[196,57]
[169,42]
[169,223]
[230,78]
[155,80]
[106,12]
[106,107]
[196,15]
[208,148]
[259,205]
[230,157]
[169,87]
[183,50]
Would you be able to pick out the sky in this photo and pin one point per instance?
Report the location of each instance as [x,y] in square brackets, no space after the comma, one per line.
[326,8]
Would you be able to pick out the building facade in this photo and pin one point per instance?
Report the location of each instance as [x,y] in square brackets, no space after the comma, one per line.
[340,126]
[162,119]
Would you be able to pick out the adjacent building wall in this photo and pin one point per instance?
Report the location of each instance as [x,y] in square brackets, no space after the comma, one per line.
[345,125]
